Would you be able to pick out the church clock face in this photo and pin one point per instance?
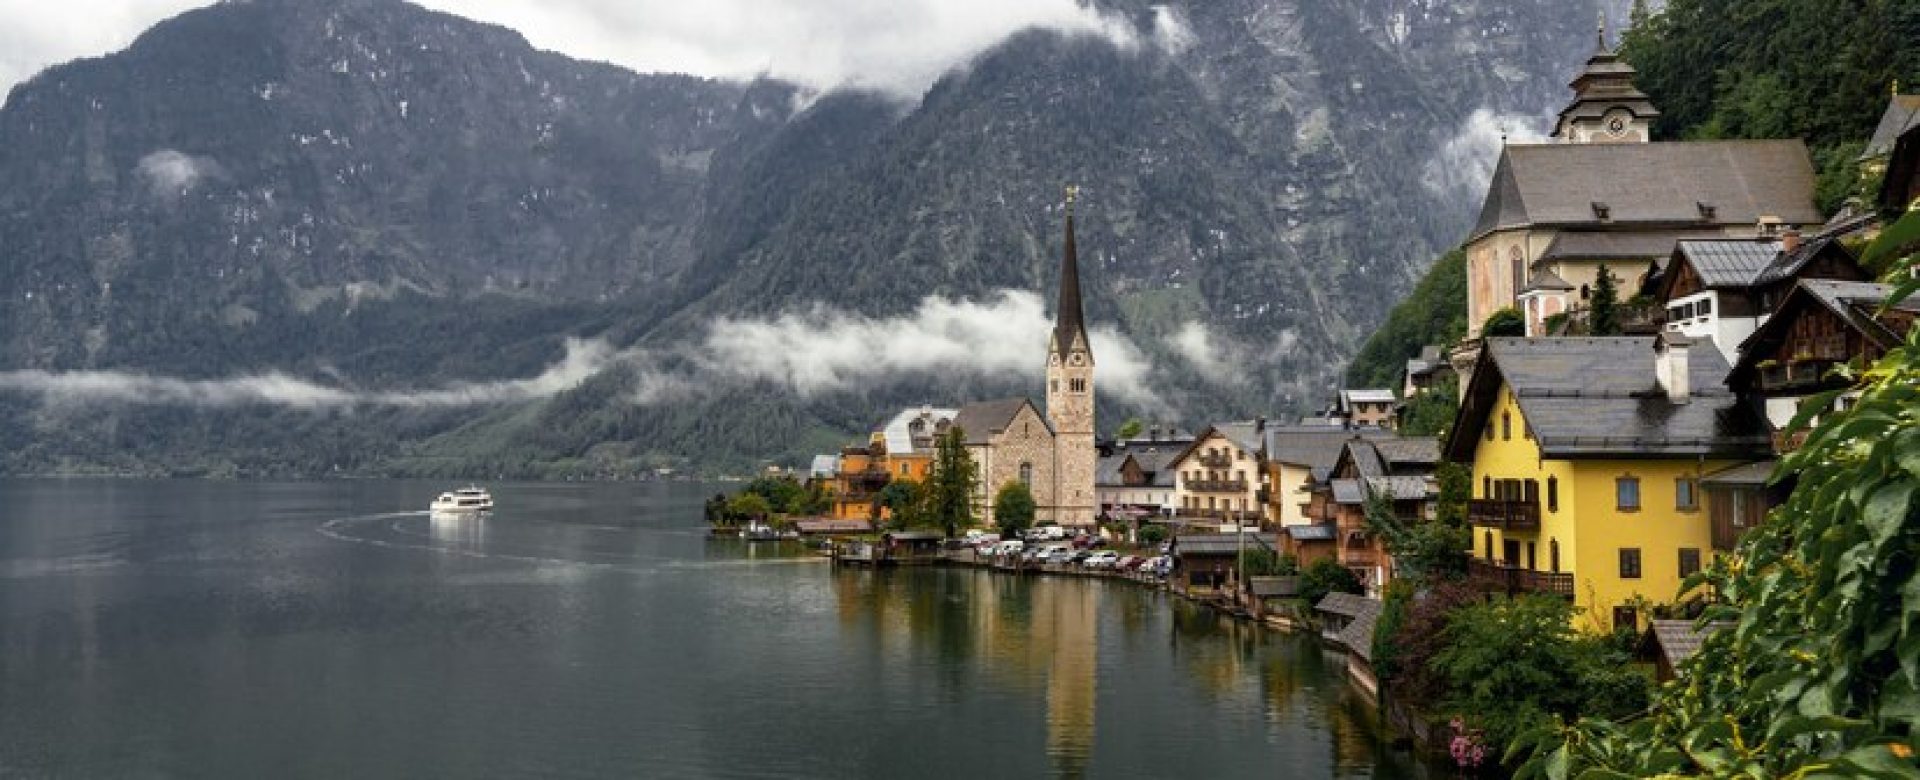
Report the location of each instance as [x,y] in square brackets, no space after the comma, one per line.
[1617,125]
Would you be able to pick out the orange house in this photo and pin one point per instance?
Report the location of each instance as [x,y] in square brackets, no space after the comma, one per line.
[902,449]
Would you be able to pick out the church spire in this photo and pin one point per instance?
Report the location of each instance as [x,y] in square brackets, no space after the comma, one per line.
[1068,324]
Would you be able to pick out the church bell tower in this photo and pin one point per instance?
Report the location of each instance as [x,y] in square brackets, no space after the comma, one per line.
[1070,393]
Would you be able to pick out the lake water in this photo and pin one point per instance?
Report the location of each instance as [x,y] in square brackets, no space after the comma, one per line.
[332,629]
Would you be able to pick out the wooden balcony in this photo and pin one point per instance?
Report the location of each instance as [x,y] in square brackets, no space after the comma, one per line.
[1217,485]
[1803,376]
[1213,461]
[1493,577]
[1504,515]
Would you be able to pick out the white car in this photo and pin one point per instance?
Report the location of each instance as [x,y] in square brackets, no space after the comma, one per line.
[1101,560]
[1008,547]
[1050,533]
[1055,553]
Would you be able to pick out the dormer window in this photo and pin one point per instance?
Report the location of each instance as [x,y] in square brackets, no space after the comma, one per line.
[1602,211]
[1707,210]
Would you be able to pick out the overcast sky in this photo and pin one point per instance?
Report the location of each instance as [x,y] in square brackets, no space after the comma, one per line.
[899,45]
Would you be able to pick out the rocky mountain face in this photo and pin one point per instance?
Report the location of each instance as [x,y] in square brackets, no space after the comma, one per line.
[362,191]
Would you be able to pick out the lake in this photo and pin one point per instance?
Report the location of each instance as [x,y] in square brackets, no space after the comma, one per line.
[333,629]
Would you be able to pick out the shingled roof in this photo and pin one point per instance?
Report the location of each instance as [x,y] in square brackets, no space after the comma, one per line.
[1314,446]
[1221,544]
[1856,303]
[1598,397]
[1612,245]
[1902,114]
[1652,184]
[1678,640]
[980,421]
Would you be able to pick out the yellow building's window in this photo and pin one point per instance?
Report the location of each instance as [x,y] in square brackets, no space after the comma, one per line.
[1626,494]
[1689,561]
[1506,426]
[1685,494]
[1553,494]
[1626,617]
[1629,563]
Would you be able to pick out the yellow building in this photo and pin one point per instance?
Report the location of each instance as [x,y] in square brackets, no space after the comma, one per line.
[1587,455]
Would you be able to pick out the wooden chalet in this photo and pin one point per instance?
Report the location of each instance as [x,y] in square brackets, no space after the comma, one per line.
[1820,325]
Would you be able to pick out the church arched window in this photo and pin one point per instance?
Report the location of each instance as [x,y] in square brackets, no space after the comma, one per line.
[1026,474]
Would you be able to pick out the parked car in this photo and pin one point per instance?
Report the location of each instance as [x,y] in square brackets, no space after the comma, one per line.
[1104,559]
[1127,562]
[1009,547]
[1051,533]
[1057,553]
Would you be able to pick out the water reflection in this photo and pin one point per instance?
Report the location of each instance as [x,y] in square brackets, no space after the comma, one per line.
[458,530]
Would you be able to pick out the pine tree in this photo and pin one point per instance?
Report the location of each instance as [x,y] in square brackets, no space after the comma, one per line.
[949,488]
[1603,318]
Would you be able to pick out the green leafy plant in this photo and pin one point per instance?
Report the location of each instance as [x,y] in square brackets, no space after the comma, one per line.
[1326,576]
[1013,509]
[950,483]
[1603,314]
[1505,322]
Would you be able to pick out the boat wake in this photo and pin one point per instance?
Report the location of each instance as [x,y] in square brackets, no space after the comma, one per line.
[467,537]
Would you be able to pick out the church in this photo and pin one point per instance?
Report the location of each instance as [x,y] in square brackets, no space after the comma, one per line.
[1050,449]
[1602,192]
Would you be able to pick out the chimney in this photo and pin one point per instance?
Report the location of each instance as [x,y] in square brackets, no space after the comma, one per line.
[1790,241]
[1670,365]
[1260,424]
[1153,432]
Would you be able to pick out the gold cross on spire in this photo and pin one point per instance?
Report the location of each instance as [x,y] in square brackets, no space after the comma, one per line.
[1073,194]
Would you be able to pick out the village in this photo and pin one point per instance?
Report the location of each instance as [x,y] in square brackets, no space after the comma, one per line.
[1646,320]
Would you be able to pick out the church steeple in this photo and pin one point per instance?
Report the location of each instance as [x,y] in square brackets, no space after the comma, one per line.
[1070,405]
[1606,107]
[1069,329]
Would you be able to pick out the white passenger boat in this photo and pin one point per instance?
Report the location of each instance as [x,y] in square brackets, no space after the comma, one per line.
[466,500]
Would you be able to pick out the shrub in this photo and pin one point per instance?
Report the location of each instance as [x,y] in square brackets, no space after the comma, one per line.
[1013,509]
[1505,322]
[1326,576]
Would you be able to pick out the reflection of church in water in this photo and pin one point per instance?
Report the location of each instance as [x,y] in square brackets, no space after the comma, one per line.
[1017,630]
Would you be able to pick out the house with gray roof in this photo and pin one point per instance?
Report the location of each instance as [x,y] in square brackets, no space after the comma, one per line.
[1218,478]
[1722,290]
[1601,194]
[1587,456]
[1821,324]
[1900,185]
[1901,116]
[1137,480]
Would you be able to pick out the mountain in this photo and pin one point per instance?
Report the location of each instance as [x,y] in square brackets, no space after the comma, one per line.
[365,194]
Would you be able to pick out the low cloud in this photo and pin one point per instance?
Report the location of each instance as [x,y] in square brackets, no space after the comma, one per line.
[822,349]
[1170,32]
[896,46]
[583,359]
[1216,359]
[170,172]
[1464,163]
[811,351]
